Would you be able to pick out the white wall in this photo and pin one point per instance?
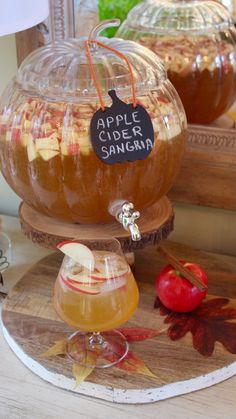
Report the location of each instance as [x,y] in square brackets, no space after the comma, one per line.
[201,227]
[8,200]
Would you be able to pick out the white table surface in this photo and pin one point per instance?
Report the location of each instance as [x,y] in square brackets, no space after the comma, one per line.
[25,395]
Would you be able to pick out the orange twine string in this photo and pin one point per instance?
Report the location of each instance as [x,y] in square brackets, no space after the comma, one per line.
[88,53]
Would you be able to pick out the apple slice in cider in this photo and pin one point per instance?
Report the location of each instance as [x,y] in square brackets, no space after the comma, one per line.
[108,265]
[79,253]
[84,288]
[82,279]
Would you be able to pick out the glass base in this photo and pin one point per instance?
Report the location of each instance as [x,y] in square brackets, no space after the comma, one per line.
[97,350]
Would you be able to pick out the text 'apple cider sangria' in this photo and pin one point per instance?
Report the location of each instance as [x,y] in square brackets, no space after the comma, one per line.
[46,152]
[95,291]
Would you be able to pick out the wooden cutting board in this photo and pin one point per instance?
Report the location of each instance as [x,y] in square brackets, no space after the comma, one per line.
[31,326]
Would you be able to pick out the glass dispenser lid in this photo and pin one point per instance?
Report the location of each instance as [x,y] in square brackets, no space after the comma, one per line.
[165,16]
[61,71]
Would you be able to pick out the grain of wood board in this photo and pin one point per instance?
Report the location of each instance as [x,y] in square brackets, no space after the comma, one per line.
[32,326]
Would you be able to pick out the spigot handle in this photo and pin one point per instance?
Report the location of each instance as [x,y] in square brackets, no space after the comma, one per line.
[123,211]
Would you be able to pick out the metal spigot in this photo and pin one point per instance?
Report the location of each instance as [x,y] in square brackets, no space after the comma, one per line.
[123,211]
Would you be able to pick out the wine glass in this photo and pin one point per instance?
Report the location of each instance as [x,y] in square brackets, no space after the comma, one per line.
[95,292]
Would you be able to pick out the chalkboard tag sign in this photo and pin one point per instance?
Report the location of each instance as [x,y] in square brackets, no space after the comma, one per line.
[121,132]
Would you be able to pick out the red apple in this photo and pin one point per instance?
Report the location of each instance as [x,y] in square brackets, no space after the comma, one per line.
[176,292]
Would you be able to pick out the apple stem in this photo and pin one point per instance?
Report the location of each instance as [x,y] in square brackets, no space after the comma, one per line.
[190,276]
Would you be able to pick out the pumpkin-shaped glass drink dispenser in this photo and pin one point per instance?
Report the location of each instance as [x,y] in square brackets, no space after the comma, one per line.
[197,42]
[47,150]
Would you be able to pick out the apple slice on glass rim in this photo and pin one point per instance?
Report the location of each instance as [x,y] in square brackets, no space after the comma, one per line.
[78,253]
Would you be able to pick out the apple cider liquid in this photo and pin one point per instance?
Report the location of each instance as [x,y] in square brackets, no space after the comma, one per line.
[96,301]
[47,158]
[203,71]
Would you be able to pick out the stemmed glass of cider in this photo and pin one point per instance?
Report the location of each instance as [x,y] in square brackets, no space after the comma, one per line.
[95,292]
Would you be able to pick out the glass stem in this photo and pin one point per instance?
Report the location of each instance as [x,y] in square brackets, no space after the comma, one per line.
[96,340]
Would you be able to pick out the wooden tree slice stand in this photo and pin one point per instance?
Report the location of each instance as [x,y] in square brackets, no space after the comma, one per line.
[155,223]
[31,326]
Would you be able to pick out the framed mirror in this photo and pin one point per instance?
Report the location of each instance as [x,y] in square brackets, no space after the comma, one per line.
[208,173]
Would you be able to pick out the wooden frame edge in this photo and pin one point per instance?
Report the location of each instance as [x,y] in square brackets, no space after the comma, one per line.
[208,172]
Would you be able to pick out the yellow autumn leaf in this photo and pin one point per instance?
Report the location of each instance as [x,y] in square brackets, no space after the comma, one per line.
[59,348]
[144,370]
[81,372]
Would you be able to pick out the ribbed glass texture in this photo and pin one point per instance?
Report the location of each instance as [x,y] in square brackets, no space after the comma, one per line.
[46,153]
